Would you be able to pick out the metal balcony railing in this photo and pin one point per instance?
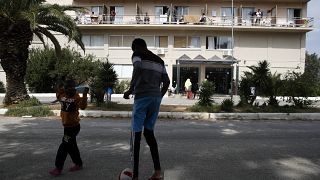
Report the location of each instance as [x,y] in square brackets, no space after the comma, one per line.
[195,20]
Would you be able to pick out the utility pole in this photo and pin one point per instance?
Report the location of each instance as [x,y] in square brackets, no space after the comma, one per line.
[232,46]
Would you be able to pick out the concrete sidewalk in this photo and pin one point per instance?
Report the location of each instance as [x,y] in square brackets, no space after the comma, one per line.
[182,100]
[199,116]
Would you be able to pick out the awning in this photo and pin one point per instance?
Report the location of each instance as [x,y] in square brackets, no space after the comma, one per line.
[184,59]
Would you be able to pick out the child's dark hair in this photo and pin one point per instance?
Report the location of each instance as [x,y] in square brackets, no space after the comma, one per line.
[69,84]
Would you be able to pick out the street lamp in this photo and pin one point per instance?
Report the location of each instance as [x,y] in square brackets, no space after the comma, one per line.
[232,46]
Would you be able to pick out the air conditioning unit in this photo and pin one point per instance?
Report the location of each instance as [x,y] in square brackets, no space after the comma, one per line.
[226,53]
[160,51]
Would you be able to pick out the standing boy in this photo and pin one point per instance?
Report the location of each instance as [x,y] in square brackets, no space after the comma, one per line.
[149,75]
[70,104]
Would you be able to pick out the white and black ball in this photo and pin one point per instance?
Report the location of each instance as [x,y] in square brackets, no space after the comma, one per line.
[126,174]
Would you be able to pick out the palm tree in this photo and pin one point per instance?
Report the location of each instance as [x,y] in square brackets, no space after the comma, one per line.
[261,76]
[19,21]
[106,77]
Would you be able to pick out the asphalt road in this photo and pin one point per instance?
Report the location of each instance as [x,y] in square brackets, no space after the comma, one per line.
[189,150]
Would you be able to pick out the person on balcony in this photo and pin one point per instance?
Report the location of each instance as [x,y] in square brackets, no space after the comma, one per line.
[203,18]
[94,18]
[112,16]
[146,19]
[259,15]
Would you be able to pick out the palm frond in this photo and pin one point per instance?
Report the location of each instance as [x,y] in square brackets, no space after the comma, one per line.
[12,8]
[40,36]
[43,16]
[56,20]
[52,38]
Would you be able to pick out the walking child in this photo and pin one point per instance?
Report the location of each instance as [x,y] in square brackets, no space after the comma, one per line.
[70,103]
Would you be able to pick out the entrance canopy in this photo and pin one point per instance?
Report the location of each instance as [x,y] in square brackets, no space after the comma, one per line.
[184,59]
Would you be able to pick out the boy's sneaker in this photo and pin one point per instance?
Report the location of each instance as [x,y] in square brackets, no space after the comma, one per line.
[55,172]
[75,168]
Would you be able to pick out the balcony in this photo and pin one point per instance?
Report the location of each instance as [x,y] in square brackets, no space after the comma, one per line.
[192,22]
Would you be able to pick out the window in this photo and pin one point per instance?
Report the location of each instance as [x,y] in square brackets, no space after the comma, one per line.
[211,42]
[93,40]
[180,11]
[187,42]
[127,41]
[226,14]
[194,42]
[121,41]
[149,40]
[97,10]
[222,42]
[123,71]
[156,41]
[161,41]
[115,41]
[293,14]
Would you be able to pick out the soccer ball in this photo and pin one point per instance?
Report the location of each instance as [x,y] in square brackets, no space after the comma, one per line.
[126,174]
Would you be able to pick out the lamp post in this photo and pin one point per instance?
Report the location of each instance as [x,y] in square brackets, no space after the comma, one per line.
[232,46]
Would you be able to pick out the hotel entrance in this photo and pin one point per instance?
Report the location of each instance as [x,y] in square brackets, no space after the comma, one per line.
[191,72]
[214,69]
[221,77]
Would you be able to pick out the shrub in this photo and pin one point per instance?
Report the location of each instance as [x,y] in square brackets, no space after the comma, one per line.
[273,101]
[209,109]
[33,101]
[298,87]
[45,69]
[2,88]
[30,107]
[38,111]
[227,105]
[121,86]
[105,76]
[205,93]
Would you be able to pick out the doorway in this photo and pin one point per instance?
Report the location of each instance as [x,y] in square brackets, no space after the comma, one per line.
[221,77]
[294,15]
[184,73]
[161,14]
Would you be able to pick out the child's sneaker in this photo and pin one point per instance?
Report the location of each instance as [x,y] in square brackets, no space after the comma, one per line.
[55,172]
[75,168]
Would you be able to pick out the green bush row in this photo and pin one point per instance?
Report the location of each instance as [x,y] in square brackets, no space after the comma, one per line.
[37,111]
[30,107]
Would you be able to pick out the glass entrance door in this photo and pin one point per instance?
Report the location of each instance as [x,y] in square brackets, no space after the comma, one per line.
[183,73]
[221,77]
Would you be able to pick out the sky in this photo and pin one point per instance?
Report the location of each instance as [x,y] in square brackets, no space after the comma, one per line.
[313,37]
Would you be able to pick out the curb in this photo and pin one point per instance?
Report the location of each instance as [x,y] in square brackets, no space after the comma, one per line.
[199,116]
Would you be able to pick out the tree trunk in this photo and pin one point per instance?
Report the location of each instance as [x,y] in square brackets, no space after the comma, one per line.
[15,72]
[14,42]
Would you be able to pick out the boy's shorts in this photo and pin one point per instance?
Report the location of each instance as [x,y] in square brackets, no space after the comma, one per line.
[145,113]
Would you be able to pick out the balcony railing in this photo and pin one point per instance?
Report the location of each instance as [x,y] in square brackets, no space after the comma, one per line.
[195,20]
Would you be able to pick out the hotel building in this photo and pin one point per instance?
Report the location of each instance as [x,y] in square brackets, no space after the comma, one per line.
[218,49]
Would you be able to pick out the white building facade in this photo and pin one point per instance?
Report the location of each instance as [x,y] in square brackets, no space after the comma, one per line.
[194,49]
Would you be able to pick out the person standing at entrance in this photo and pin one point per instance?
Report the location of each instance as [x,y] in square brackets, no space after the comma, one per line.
[194,89]
[149,83]
[187,88]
